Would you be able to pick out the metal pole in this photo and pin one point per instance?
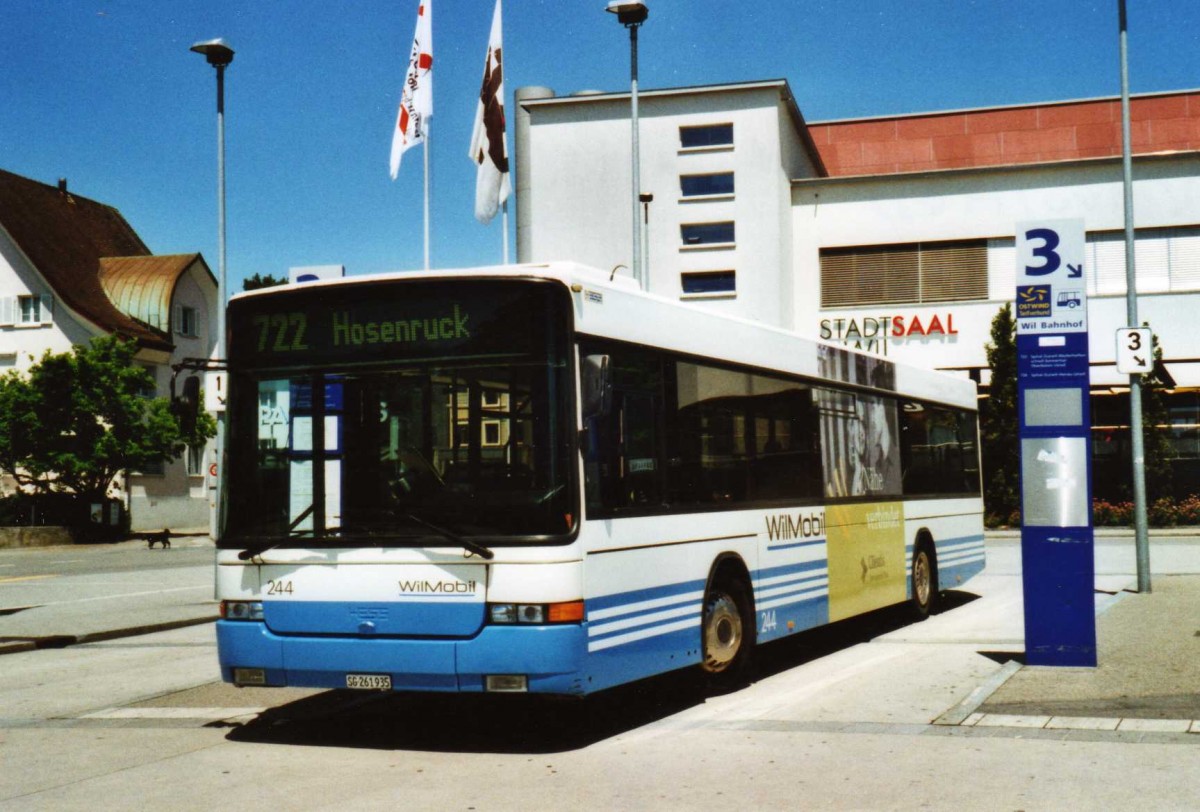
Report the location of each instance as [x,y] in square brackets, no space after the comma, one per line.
[219,491]
[425,151]
[221,209]
[1141,536]
[504,242]
[637,171]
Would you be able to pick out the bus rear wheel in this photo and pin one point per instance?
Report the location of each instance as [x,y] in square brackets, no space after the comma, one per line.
[727,633]
[924,580]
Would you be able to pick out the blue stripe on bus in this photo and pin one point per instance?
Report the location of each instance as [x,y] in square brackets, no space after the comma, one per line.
[640,595]
[627,618]
[963,540]
[794,545]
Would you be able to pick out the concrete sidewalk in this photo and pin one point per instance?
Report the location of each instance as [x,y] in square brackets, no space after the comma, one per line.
[1147,679]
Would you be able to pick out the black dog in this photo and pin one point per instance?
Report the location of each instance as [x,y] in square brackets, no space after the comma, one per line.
[163,538]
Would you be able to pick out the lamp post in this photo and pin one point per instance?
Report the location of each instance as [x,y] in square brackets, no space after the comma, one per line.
[632,15]
[1137,443]
[219,55]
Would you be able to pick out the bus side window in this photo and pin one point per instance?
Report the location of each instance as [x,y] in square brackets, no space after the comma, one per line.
[623,445]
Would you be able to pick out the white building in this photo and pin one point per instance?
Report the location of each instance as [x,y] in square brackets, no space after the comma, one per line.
[72,269]
[894,234]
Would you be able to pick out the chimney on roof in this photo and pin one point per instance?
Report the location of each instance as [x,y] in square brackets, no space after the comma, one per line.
[62,186]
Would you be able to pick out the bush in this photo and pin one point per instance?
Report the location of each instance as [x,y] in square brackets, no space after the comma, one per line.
[1189,510]
[1163,512]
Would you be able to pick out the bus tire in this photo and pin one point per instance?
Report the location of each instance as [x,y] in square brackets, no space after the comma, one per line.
[727,632]
[924,579]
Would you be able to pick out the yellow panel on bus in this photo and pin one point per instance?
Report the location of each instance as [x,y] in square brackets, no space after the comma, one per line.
[866,557]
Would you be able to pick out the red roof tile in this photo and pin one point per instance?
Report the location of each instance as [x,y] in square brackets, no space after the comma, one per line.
[1036,133]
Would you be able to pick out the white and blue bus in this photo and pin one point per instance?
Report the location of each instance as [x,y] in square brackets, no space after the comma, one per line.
[537,478]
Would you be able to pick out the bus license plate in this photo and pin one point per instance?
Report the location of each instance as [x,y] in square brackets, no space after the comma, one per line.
[369,682]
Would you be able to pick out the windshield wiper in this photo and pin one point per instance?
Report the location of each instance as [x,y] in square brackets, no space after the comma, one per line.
[462,541]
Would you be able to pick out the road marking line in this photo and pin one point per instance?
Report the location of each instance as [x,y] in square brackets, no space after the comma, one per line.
[17,578]
[172,713]
[128,595]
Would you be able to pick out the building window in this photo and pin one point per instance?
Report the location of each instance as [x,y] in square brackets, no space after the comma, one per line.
[33,309]
[707,233]
[186,322]
[717,183]
[195,460]
[153,468]
[698,283]
[915,273]
[708,135]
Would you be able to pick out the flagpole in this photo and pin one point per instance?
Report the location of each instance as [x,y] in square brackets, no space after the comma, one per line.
[504,209]
[425,149]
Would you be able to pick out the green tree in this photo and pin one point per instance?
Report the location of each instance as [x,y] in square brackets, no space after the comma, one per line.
[261,281]
[79,418]
[1155,429]
[998,427]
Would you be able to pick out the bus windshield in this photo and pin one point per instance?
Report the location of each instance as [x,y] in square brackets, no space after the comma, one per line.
[411,407]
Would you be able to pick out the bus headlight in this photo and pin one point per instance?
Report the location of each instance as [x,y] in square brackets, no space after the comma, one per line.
[536,613]
[242,610]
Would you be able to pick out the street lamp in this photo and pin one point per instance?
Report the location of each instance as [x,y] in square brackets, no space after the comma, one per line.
[632,15]
[219,55]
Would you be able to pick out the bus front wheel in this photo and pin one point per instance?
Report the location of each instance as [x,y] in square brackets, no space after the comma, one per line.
[727,632]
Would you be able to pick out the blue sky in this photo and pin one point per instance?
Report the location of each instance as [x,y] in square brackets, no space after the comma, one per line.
[106,93]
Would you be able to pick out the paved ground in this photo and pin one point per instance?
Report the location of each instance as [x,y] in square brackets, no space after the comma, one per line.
[55,596]
[1148,648]
[1147,644]
[857,715]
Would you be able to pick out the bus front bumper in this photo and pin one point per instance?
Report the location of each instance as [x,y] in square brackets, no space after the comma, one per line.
[549,657]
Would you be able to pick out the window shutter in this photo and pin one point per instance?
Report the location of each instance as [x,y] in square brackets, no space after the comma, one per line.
[47,310]
[869,275]
[1109,262]
[952,272]
[904,274]
[8,307]
[1185,259]
[1152,262]
[177,318]
[1002,268]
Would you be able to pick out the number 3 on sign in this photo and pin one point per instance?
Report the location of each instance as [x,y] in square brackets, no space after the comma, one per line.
[1135,350]
[1050,258]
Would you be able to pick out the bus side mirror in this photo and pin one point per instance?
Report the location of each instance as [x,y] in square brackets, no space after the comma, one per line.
[596,385]
[186,405]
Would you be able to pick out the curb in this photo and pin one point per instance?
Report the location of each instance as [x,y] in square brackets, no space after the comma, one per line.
[964,709]
[15,645]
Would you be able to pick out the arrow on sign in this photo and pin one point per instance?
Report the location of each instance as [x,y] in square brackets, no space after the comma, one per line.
[1139,361]
[1074,271]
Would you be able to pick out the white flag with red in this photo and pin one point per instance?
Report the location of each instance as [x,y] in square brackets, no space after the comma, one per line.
[489,145]
[416,101]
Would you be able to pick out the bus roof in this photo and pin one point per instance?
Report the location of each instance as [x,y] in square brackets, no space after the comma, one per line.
[615,307]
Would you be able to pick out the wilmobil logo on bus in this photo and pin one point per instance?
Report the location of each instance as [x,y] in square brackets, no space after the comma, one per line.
[788,526]
[437,587]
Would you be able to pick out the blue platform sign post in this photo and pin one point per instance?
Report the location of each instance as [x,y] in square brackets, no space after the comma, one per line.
[1057,556]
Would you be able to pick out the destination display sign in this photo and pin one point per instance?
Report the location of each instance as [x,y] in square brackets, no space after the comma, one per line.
[394,319]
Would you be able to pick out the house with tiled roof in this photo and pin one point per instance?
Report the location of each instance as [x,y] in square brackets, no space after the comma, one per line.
[72,269]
